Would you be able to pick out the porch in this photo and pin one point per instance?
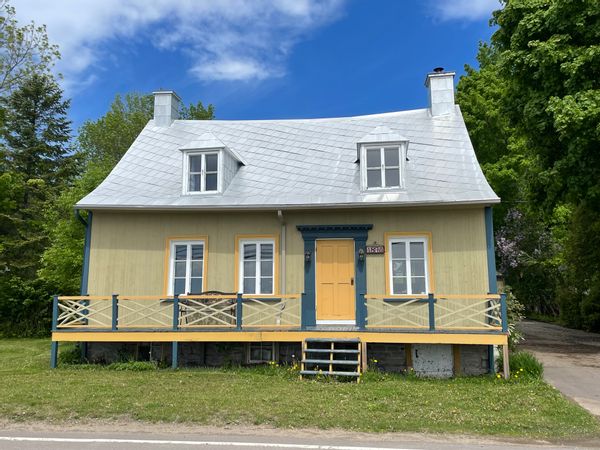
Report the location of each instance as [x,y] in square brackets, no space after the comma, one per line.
[432,319]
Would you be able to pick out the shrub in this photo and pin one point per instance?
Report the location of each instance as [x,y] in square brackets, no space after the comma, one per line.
[523,364]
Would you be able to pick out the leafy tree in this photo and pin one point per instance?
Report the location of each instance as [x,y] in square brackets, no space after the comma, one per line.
[102,143]
[24,51]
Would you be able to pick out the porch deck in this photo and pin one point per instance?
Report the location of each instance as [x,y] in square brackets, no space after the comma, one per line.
[431,319]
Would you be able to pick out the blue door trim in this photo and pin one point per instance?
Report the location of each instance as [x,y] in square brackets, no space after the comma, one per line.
[310,233]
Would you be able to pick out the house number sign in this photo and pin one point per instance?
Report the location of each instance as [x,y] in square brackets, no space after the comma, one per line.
[375,249]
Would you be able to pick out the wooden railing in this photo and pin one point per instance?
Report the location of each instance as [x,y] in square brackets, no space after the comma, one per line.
[434,312]
[122,312]
[438,312]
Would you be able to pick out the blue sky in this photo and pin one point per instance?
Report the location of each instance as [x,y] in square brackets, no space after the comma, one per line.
[260,59]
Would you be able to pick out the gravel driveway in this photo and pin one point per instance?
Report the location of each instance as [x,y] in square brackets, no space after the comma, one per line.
[571,360]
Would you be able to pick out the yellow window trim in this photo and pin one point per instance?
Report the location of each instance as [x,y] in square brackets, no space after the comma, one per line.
[167,258]
[408,234]
[275,238]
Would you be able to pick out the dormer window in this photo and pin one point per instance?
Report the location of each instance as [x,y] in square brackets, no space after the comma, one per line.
[208,165]
[383,167]
[382,159]
[202,171]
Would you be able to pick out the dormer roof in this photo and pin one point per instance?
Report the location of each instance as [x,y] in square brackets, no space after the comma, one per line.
[209,141]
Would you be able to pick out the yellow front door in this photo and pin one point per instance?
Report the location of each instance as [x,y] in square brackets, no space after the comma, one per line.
[335,280]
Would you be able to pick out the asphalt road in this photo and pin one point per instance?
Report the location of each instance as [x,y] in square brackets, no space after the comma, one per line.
[129,441]
[571,360]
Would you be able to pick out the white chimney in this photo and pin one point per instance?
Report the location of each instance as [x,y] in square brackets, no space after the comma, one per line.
[441,92]
[166,108]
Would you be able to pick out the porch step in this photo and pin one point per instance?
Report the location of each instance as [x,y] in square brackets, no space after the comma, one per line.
[335,373]
[329,356]
[329,361]
[335,350]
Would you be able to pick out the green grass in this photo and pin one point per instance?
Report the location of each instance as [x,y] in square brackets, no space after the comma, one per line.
[30,391]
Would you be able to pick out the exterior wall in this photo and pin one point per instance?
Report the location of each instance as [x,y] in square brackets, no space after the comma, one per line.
[129,254]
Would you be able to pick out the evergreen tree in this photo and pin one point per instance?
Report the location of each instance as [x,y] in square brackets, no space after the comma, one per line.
[36,163]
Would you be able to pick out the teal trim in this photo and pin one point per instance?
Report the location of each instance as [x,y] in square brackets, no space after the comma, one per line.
[310,233]
[504,312]
[175,355]
[491,265]
[431,301]
[54,312]
[239,310]
[176,312]
[115,312]
[491,362]
[86,251]
[53,354]
[491,255]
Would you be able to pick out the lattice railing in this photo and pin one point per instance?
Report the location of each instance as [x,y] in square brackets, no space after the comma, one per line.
[438,312]
[208,311]
[144,312]
[397,313]
[279,311]
[83,311]
[468,311]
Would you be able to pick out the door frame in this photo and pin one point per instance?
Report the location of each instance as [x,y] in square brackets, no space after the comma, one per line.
[334,322]
[310,233]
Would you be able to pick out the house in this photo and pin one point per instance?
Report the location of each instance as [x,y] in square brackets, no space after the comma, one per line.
[335,241]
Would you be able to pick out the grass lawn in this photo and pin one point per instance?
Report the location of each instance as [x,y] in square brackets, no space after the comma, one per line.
[29,391]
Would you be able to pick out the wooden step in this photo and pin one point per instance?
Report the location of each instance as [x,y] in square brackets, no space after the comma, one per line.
[340,374]
[331,361]
[328,350]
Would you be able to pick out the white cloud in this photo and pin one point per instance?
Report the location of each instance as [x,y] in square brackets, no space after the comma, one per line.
[221,39]
[470,10]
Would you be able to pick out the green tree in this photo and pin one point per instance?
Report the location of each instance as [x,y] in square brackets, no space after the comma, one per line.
[24,50]
[102,143]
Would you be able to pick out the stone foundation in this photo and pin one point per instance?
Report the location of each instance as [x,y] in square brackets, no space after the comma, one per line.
[385,357]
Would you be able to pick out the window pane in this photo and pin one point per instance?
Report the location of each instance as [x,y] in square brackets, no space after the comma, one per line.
[211,182]
[197,251]
[400,285]
[180,252]
[195,185]
[211,163]
[179,286]
[249,285]
[266,268]
[418,285]
[196,268]
[391,156]
[416,250]
[180,268]
[392,177]
[266,285]
[196,285]
[249,268]
[374,178]
[373,158]
[249,251]
[417,268]
[266,251]
[195,163]
[398,268]
[398,250]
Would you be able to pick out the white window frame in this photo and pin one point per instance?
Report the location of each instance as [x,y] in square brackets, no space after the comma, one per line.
[407,240]
[274,352]
[188,264]
[257,274]
[401,146]
[186,171]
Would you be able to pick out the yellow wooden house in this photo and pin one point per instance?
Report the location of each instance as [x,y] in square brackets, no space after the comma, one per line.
[333,242]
